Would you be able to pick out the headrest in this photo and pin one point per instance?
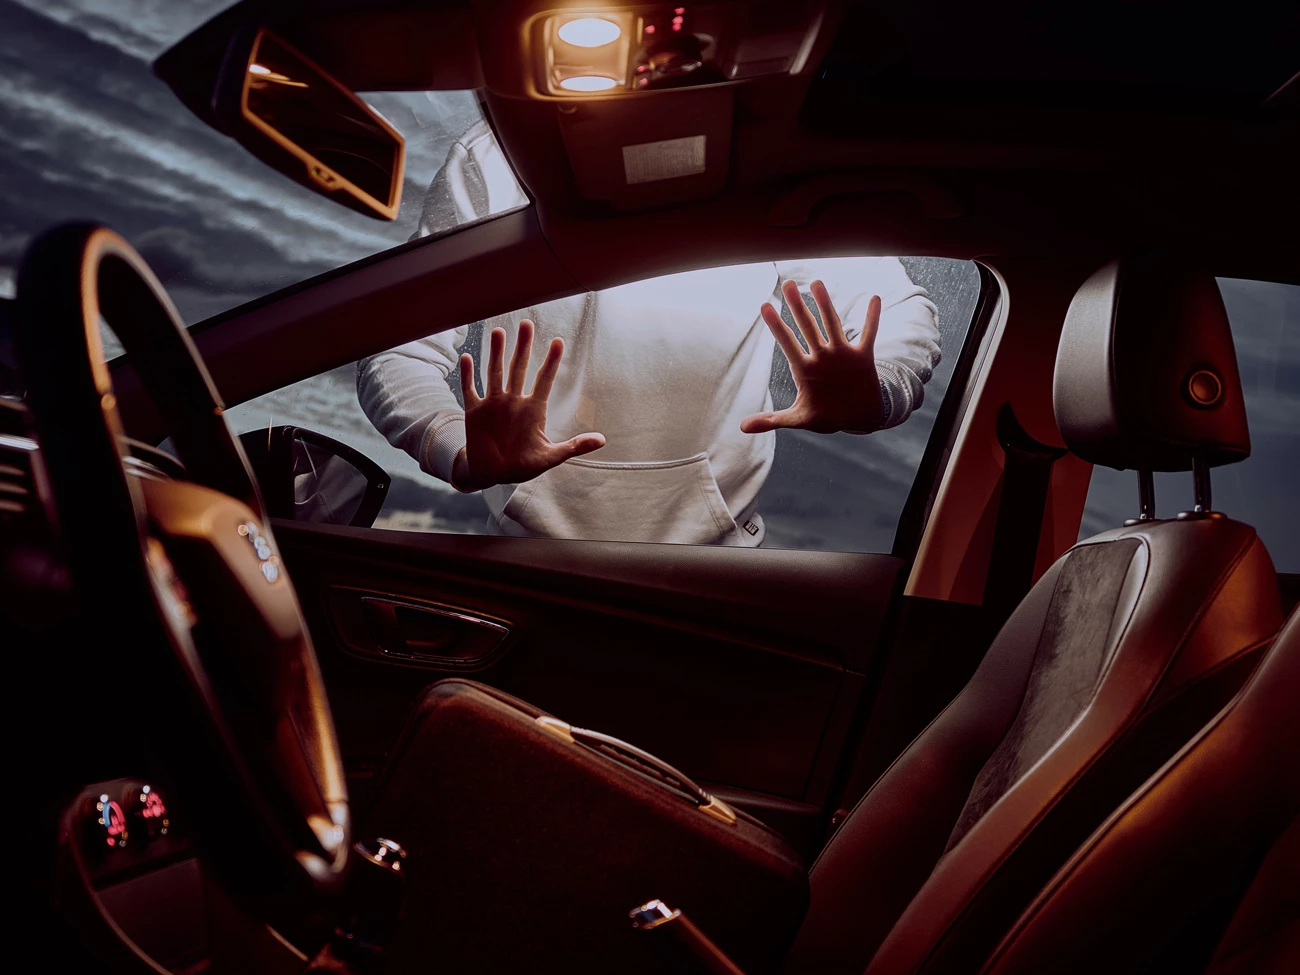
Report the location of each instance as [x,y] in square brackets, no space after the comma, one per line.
[1146,373]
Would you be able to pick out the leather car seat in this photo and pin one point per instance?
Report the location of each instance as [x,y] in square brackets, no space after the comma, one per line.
[1119,654]
[1200,869]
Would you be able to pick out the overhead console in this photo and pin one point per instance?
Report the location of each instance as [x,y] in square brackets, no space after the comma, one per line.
[644,95]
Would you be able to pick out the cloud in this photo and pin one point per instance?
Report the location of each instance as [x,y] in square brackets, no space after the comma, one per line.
[140,28]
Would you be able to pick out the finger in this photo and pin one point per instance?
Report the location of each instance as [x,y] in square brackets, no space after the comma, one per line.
[802,316]
[467,390]
[519,361]
[496,353]
[784,337]
[550,366]
[830,317]
[867,340]
[583,443]
[763,422]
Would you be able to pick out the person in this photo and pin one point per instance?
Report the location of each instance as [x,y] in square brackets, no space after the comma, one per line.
[668,379]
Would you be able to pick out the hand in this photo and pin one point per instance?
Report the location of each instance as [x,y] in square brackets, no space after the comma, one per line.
[505,431]
[838,385]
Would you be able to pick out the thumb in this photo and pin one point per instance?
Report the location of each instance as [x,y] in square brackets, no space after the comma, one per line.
[867,340]
[763,422]
[583,443]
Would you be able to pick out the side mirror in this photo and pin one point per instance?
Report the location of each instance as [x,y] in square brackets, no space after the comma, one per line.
[286,110]
[305,476]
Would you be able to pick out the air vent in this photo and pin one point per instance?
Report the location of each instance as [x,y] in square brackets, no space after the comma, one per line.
[17,491]
[18,497]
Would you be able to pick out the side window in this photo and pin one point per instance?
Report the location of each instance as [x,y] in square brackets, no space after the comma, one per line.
[1260,490]
[666,370]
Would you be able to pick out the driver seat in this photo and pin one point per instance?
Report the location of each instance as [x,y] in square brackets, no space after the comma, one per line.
[1124,648]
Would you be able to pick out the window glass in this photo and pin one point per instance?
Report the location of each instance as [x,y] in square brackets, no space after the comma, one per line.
[667,369]
[1260,490]
[92,134]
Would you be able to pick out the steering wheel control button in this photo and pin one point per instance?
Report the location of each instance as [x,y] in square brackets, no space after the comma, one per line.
[149,815]
[1204,389]
[108,825]
[262,548]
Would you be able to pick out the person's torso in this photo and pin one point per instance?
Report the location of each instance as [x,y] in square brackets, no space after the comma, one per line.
[662,366]
[666,369]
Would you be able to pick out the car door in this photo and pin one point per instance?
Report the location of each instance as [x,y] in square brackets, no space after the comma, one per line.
[746,667]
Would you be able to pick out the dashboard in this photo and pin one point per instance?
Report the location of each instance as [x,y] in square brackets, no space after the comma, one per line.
[128,863]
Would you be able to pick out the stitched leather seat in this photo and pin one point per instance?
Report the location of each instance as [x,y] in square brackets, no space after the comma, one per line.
[1160,886]
[1117,657]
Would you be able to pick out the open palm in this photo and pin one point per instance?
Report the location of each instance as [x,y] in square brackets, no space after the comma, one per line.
[505,429]
[839,388]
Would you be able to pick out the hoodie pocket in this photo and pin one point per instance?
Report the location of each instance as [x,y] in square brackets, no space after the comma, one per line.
[662,501]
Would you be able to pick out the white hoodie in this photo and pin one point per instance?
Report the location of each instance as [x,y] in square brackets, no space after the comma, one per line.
[666,369]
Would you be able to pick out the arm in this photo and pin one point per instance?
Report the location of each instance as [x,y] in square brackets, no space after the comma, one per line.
[406,395]
[907,340]
[405,391]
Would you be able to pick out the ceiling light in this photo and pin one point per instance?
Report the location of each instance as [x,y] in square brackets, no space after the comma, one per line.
[589,82]
[589,32]
[586,54]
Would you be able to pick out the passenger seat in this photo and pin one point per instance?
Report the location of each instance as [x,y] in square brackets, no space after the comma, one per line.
[1200,869]
[1120,653]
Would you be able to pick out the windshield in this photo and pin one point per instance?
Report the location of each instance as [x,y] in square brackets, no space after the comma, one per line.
[91,134]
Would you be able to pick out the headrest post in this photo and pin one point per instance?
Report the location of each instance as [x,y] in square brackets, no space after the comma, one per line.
[1146,500]
[1146,496]
[1201,478]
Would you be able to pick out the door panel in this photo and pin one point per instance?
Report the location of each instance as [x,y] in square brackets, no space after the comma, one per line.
[741,667]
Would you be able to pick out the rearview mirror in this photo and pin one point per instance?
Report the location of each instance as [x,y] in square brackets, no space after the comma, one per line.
[291,114]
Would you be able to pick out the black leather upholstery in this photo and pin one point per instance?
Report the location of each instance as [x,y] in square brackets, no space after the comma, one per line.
[1120,653]
[1200,866]
[1146,372]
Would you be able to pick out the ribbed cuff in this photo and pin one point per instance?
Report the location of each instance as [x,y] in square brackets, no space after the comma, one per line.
[893,394]
[442,442]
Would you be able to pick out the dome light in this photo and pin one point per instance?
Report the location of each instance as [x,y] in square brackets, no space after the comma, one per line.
[588,82]
[589,32]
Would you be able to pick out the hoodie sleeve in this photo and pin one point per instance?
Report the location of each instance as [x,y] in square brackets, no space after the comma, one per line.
[475,182]
[907,343]
[406,394]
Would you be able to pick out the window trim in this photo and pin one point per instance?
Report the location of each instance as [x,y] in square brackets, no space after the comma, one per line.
[915,516]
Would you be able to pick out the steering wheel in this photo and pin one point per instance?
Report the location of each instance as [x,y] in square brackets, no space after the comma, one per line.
[206,631]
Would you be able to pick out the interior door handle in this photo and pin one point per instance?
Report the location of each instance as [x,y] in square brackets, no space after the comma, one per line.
[430,634]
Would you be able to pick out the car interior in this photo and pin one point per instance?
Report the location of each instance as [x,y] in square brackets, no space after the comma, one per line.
[1006,682]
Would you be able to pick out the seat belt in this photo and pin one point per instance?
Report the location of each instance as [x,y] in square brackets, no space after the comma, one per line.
[1026,476]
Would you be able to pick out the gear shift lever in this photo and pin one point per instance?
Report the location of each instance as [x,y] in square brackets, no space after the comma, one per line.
[375,899]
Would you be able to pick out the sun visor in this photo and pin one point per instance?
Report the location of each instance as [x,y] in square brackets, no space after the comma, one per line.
[664,148]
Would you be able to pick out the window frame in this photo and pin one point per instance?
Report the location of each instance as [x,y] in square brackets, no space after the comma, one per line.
[915,515]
